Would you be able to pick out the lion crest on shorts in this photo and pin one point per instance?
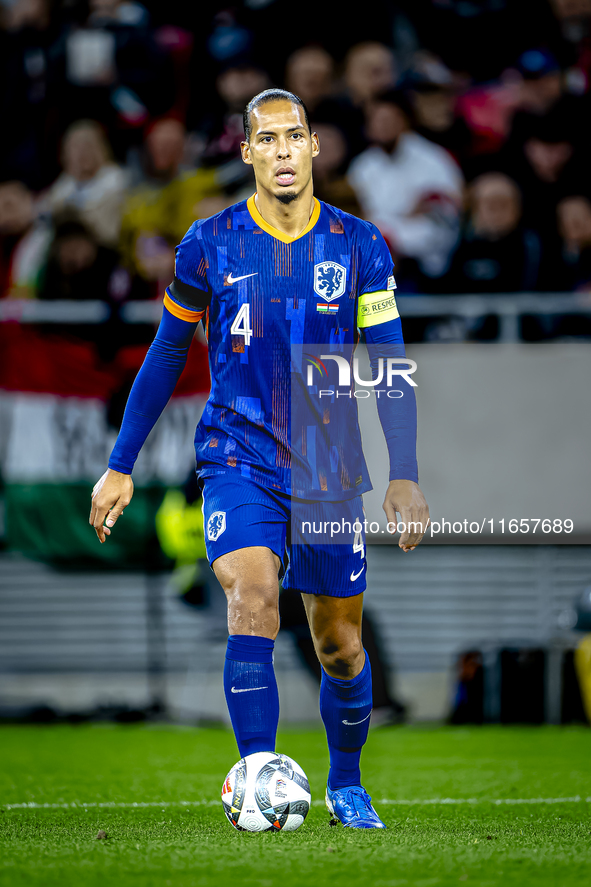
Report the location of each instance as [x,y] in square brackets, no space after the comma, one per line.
[216,525]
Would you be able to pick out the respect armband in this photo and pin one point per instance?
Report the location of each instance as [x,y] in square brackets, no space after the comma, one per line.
[376,308]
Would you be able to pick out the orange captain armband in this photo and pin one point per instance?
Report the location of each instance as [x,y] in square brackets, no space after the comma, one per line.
[180,312]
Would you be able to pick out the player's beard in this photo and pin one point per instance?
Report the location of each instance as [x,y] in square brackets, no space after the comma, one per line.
[287,196]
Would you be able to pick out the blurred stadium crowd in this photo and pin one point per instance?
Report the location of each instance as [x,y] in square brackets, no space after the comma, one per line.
[462,128]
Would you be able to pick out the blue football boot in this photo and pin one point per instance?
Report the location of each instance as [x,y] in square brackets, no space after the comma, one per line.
[352,807]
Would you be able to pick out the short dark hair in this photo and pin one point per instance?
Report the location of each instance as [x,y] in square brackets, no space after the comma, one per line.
[271,95]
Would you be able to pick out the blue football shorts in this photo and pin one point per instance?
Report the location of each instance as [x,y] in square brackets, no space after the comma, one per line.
[321,544]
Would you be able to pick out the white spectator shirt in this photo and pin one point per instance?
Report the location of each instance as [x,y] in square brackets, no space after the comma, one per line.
[98,201]
[414,197]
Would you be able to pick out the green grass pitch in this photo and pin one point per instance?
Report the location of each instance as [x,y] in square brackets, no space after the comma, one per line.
[177,834]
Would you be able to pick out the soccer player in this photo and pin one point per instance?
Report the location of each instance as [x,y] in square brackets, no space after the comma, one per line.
[268,276]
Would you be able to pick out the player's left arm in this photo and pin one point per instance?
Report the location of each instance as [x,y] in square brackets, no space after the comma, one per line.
[379,320]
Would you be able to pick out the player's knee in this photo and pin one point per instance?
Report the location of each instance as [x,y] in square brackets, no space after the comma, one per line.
[341,657]
[253,607]
[257,598]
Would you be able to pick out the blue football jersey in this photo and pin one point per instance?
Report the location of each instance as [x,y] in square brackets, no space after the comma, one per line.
[268,302]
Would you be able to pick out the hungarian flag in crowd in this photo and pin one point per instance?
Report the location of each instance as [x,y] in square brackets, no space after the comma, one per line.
[60,407]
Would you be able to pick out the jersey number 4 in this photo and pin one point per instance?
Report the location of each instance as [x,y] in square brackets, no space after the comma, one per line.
[241,324]
[358,545]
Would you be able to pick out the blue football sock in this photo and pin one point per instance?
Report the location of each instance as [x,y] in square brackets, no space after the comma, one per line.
[345,707]
[251,692]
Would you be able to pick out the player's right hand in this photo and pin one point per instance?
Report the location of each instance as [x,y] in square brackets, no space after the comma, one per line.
[110,496]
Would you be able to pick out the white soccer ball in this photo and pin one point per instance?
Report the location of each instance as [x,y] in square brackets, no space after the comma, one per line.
[266,792]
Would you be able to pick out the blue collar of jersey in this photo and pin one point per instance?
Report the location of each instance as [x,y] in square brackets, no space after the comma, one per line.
[275,232]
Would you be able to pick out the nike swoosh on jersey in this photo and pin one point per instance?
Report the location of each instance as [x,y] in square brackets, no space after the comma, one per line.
[355,576]
[354,723]
[248,689]
[231,280]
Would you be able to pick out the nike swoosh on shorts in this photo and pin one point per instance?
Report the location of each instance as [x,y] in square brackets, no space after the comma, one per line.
[355,576]
[248,689]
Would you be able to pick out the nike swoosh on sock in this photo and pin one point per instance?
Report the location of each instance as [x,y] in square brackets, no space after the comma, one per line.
[353,723]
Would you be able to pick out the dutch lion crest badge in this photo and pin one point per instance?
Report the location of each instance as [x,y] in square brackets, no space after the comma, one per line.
[216,525]
[329,280]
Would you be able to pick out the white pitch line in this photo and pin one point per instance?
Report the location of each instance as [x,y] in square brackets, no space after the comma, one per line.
[414,802]
[113,805]
[577,799]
